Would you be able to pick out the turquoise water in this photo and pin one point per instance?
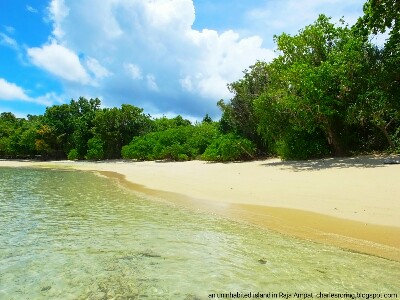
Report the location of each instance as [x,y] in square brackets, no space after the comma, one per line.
[75,235]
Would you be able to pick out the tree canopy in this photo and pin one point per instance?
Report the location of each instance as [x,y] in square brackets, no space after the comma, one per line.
[329,91]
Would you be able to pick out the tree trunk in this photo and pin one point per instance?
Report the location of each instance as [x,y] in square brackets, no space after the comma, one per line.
[387,136]
[333,139]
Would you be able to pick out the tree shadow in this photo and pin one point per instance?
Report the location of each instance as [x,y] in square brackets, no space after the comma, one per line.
[335,163]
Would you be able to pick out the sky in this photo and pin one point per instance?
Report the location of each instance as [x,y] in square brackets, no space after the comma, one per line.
[168,57]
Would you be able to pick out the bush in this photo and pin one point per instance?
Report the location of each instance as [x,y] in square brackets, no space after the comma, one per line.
[229,147]
[140,148]
[95,149]
[302,145]
[180,143]
[73,154]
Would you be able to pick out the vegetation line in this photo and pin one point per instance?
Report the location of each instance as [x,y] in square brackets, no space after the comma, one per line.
[330,91]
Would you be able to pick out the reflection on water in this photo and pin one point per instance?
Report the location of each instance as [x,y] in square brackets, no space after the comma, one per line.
[74,235]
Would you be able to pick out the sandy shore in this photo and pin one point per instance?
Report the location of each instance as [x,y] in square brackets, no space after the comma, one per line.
[352,203]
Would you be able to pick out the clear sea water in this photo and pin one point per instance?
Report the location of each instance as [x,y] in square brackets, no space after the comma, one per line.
[75,235]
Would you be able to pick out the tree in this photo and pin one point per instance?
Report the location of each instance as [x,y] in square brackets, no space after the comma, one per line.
[318,71]
[116,127]
[238,115]
[229,147]
[380,15]
[8,124]
[207,119]
[83,112]
[71,126]
[378,103]
[164,123]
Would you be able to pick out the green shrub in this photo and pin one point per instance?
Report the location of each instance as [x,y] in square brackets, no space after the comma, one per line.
[302,145]
[73,154]
[180,143]
[95,149]
[140,148]
[229,147]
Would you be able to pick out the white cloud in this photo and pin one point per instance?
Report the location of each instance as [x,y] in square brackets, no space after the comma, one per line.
[148,50]
[50,99]
[176,67]
[178,14]
[31,9]
[10,91]
[187,83]
[8,41]
[58,11]
[134,71]
[151,82]
[59,61]
[223,58]
[98,71]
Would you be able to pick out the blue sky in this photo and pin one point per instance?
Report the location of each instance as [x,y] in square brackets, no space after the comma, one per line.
[167,56]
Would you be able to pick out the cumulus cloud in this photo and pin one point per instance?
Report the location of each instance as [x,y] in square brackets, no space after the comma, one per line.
[59,61]
[146,50]
[10,91]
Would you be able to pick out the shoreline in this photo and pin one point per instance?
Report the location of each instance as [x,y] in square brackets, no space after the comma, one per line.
[350,203]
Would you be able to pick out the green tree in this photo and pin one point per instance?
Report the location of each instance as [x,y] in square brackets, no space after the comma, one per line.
[83,114]
[95,149]
[378,104]
[318,70]
[177,143]
[207,119]
[8,124]
[116,127]
[164,123]
[238,115]
[229,147]
[70,125]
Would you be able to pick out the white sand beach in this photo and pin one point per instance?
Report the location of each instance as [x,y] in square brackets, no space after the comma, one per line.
[352,203]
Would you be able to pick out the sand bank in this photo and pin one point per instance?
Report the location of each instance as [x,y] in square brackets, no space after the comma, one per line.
[352,203]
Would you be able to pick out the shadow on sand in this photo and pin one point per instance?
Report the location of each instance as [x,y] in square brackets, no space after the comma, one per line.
[338,162]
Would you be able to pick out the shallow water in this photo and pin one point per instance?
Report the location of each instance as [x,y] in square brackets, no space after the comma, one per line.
[75,235]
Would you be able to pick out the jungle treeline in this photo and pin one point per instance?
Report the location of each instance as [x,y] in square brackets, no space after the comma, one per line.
[331,91]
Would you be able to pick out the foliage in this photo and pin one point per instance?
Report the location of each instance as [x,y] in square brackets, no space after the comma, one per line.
[380,15]
[73,154]
[238,115]
[95,149]
[328,83]
[230,147]
[164,123]
[329,91]
[179,143]
[378,102]
[302,145]
[69,126]
[116,127]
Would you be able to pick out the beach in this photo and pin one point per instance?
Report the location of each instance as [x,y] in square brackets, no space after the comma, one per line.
[352,203]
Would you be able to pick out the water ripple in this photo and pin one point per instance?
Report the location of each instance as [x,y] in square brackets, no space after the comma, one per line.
[73,235]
